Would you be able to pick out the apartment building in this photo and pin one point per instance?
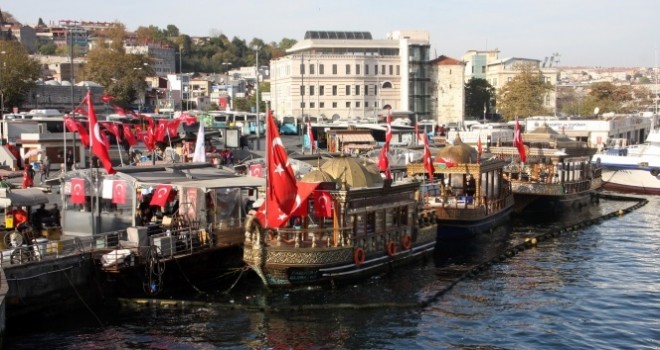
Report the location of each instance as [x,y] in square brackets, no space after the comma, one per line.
[351,75]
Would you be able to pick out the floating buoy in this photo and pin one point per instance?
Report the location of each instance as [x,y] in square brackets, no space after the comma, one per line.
[533,241]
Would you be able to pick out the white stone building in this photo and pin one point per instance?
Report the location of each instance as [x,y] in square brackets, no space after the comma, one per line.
[447,90]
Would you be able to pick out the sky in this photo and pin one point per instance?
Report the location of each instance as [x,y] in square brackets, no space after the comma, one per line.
[590,33]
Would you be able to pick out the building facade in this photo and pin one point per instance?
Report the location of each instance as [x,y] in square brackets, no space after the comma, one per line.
[350,75]
[447,90]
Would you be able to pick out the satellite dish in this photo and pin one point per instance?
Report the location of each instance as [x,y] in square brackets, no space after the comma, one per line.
[596,110]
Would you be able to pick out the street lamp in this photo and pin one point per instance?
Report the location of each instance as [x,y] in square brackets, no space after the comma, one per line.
[256,76]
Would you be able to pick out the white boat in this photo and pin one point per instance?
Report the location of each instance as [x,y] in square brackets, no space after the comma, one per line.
[635,168]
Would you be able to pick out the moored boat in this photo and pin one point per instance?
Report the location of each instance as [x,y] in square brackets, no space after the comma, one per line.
[555,176]
[341,222]
[635,168]
[471,195]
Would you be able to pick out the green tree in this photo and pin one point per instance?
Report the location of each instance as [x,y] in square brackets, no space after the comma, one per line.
[523,96]
[18,73]
[47,49]
[478,93]
[241,104]
[617,99]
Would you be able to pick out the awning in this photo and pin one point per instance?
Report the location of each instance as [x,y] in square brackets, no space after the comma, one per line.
[356,138]
[357,146]
[22,197]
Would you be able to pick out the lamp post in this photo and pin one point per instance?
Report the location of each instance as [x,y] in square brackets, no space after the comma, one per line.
[256,101]
[2,84]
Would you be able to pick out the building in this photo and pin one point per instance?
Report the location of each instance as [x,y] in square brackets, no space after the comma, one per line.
[350,75]
[447,103]
[487,65]
[162,57]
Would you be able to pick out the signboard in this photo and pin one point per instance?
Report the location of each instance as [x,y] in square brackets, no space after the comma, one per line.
[232,138]
[256,170]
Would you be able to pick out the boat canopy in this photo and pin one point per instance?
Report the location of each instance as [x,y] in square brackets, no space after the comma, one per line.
[22,197]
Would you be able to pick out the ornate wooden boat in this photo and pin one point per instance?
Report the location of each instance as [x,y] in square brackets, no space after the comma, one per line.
[356,225]
[558,174]
[468,195]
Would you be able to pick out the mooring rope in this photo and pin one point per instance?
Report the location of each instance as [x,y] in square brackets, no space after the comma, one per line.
[529,242]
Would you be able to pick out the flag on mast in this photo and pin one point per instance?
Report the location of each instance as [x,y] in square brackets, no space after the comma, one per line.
[428,161]
[518,142]
[383,159]
[98,146]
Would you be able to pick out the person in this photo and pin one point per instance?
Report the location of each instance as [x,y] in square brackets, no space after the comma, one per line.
[39,217]
[45,169]
[20,218]
[69,160]
[27,179]
[55,215]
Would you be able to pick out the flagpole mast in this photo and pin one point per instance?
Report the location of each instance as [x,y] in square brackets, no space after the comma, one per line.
[92,175]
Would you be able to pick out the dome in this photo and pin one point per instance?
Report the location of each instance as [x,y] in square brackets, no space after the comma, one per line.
[349,170]
[317,175]
[459,152]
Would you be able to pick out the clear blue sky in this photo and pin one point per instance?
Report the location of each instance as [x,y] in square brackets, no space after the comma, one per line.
[604,33]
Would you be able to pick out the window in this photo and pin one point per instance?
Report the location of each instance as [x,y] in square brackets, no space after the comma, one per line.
[357,90]
[357,104]
[483,69]
[376,90]
[366,104]
[348,105]
[348,69]
[334,90]
[321,105]
[348,90]
[382,69]
[366,90]
[334,69]
[302,69]
[302,90]
[398,70]
[334,105]
[321,69]
[311,105]
[311,69]
[375,69]
[321,90]
[357,69]
[302,104]
[391,69]
[311,90]
[366,69]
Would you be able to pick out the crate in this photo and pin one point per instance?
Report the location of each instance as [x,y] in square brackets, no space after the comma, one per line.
[138,235]
[54,247]
[52,233]
[166,245]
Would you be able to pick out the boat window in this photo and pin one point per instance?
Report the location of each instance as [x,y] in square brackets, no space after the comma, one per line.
[360,226]
[371,222]
[403,216]
[389,218]
[380,221]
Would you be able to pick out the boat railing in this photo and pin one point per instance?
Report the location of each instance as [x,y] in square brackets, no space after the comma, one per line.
[43,249]
[312,236]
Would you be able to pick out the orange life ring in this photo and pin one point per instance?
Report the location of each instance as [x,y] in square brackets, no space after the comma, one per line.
[405,241]
[391,248]
[359,256]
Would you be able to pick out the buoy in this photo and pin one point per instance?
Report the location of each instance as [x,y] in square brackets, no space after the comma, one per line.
[533,241]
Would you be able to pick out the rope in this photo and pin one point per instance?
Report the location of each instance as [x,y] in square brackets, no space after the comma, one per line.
[154,270]
[39,275]
[186,277]
[83,301]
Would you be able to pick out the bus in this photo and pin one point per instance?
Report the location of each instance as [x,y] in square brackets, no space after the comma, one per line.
[289,125]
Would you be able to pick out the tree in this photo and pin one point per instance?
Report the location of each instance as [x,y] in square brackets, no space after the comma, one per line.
[241,104]
[617,99]
[18,73]
[523,96]
[478,94]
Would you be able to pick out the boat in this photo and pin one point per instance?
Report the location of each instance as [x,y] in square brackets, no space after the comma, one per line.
[470,195]
[635,168]
[556,175]
[348,223]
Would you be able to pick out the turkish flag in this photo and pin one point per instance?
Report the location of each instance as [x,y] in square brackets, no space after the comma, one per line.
[256,170]
[310,135]
[173,127]
[118,109]
[322,204]
[80,110]
[428,161]
[383,158]
[187,118]
[119,188]
[128,135]
[161,195]
[74,125]
[99,147]
[106,98]
[161,132]
[445,161]
[277,217]
[77,191]
[518,142]
[113,128]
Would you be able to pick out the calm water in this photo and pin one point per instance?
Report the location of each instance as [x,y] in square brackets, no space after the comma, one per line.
[598,288]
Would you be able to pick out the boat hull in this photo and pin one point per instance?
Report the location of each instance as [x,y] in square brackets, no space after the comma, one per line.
[478,222]
[553,198]
[330,266]
[631,180]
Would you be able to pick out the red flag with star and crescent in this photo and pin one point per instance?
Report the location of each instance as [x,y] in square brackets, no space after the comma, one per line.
[98,145]
[428,161]
[161,195]
[74,125]
[129,136]
[383,159]
[77,191]
[518,142]
[119,188]
[480,149]
[310,135]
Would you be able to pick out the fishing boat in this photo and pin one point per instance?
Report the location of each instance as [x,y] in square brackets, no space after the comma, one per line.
[344,223]
[550,173]
[468,195]
[635,168]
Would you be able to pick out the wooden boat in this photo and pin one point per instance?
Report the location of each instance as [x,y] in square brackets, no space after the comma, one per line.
[357,225]
[557,176]
[469,196]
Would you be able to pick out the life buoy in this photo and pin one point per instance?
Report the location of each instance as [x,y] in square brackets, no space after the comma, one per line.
[359,256]
[406,242]
[391,248]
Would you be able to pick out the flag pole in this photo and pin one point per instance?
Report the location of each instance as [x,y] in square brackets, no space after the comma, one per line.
[92,175]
